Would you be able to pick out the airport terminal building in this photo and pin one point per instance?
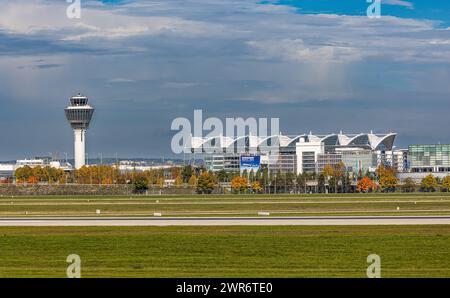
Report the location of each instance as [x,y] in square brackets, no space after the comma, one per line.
[360,153]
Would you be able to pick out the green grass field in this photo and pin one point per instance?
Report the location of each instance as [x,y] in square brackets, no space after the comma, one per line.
[405,251]
[285,251]
[238,205]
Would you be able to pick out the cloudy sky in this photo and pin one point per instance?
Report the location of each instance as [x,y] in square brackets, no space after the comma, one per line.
[318,65]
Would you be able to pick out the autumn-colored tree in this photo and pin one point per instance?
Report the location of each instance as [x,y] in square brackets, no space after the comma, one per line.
[23,174]
[192,181]
[102,174]
[32,180]
[328,171]
[84,175]
[446,183]
[63,179]
[107,181]
[429,183]
[206,183]
[383,171]
[179,180]
[366,185]
[387,178]
[339,169]
[40,173]
[256,187]
[388,183]
[333,175]
[52,175]
[239,184]
[160,181]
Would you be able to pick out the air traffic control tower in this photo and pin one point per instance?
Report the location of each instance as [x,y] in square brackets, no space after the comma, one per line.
[79,115]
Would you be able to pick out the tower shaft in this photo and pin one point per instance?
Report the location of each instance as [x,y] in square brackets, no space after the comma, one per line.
[79,147]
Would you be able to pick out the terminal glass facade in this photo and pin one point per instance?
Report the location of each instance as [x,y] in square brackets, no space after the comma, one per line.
[429,158]
[359,161]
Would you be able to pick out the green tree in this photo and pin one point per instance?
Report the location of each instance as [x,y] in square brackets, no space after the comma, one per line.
[321,183]
[140,184]
[222,176]
[347,183]
[301,183]
[409,185]
[186,173]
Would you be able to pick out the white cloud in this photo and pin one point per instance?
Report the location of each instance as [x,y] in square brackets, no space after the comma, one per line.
[180,85]
[23,17]
[403,3]
[296,50]
[121,80]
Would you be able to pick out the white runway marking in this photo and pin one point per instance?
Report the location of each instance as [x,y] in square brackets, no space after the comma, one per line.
[226,221]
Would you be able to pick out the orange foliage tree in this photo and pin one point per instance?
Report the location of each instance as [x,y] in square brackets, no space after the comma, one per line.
[366,185]
[387,178]
[256,187]
[239,184]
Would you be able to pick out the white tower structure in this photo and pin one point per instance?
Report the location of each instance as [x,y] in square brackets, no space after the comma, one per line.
[79,115]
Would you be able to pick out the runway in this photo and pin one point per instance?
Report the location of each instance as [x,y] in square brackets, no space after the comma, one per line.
[224,221]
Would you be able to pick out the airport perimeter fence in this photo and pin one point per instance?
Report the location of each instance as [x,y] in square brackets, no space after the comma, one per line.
[87,189]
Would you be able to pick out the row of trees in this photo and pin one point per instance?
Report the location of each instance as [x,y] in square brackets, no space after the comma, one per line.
[333,178]
[101,174]
[428,184]
[38,174]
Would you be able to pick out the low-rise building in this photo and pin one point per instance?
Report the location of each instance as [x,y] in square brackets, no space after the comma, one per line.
[7,170]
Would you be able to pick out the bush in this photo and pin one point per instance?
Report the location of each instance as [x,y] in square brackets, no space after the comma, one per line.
[409,185]
[140,185]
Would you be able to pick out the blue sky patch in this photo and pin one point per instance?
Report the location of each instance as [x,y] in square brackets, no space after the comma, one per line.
[436,10]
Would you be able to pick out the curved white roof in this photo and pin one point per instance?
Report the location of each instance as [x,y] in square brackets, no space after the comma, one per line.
[364,140]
